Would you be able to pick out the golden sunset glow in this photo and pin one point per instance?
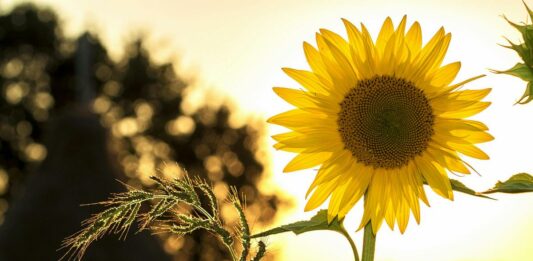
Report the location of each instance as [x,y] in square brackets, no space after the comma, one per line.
[236,48]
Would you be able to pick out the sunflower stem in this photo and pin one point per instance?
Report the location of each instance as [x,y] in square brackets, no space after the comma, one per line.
[369,243]
[352,244]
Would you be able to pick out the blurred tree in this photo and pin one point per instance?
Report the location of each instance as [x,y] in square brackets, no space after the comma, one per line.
[139,101]
[29,48]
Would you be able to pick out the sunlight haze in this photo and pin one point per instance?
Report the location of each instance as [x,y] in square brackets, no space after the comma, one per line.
[238,48]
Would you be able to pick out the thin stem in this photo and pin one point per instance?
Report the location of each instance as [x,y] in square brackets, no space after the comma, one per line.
[232,252]
[352,244]
[369,243]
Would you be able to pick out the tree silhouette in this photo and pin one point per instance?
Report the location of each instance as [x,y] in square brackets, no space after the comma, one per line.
[136,100]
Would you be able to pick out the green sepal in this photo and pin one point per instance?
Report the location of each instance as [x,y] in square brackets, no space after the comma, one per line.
[520,28]
[521,71]
[528,10]
[525,73]
[528,94]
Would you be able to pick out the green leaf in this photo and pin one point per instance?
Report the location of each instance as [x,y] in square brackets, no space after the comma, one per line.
[318,222]
[518,183]
[460,187]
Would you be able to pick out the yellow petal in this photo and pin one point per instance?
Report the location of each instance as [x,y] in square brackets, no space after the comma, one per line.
[297,98]
[448,161]
[299,118]
[337,41]
[433,42]
[376,199]
[441,52]
[281,146]
[475,95]
[336,196]
[420,186]
[390,215]
[284,136]
[414,38]
[387,29]
[308,80]
[426,60]
[338,67]
[474,136]
[456,166]
[306,160]
[368,46]
[358,187]
[435,177]
[321,194]
[310,102]
[315,61]
[469,150]
[313,142]
[364,70]
[477,124]
[446,74]
[412,189]
[401,27]
[448,125]
[403,216]
[362,51]
[349,78]
[337,164]
[355,38]
[464,110]
[457,85]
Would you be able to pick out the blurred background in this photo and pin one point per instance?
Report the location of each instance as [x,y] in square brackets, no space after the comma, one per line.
[92,92]
[74,121]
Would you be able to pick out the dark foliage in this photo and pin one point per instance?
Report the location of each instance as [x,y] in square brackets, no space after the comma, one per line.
[137,101]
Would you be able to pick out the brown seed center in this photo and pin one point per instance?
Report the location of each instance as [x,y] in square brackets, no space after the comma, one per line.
[385,121]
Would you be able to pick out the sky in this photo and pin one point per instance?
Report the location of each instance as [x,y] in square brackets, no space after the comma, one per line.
[237,47]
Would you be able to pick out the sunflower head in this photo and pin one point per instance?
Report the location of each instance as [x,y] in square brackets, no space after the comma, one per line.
[380,118]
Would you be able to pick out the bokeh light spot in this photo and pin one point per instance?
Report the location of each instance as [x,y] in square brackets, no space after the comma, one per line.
[35,152]
[14,92]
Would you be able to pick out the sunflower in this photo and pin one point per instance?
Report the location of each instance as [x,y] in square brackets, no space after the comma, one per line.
[380,119]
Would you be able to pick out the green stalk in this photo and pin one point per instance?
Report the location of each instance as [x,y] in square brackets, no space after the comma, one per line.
[369,243]
[352,244]
[232,253]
